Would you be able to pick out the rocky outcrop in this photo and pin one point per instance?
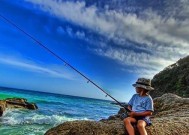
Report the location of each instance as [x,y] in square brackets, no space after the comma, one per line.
[16,103]
[2,107]
[171,117]
[20,103]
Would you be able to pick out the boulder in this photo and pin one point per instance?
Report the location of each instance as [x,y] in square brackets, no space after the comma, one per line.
[111,127]
[20,103]
[2,107]
[171,117]
[16,103]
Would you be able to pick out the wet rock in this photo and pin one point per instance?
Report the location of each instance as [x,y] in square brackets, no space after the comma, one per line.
[16,103]
[20,103]
[2,107]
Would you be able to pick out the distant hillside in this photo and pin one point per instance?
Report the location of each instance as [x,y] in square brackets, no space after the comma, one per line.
[173,79]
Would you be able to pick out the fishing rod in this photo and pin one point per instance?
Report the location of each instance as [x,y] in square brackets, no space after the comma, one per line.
[64,61]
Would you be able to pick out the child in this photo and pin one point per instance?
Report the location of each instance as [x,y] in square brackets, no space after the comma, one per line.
[141,106]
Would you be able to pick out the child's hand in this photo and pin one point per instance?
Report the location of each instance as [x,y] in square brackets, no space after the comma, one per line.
[132,114]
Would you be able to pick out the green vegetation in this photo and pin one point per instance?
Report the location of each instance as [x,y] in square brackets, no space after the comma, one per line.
[173,79]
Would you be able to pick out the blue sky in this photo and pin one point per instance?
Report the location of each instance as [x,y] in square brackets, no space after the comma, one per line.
[113,43]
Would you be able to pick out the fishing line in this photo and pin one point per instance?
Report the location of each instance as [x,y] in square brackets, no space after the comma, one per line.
[64,61]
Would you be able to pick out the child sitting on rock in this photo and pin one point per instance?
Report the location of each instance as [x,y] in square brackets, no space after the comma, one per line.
[141,106]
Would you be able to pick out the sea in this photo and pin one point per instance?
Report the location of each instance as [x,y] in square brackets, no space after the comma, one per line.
[53,109]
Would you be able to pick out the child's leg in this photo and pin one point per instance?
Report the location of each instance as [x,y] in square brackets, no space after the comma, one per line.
[141,124]
[128,126]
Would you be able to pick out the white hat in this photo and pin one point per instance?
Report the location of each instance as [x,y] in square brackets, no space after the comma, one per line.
[144,83]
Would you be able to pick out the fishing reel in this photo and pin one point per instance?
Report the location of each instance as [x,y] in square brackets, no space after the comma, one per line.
[124,113]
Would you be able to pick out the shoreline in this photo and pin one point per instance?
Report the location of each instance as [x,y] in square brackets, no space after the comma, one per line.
[171,117]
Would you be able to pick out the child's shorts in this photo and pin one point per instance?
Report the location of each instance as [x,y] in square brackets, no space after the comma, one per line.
[146,119]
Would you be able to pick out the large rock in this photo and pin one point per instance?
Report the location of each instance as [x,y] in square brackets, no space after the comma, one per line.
[20,103]
[111,127]
[16,103]
[2,107]
[171,117]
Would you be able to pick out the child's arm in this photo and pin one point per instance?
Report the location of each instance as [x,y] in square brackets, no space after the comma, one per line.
[129,107]
[135,114]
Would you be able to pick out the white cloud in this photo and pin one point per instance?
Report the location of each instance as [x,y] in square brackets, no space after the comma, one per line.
[117,24]
[69,31]
[80,34]
[27,65]
[143,61]
[161,39]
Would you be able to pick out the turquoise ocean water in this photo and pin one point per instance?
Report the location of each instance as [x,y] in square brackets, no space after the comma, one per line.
[53,109]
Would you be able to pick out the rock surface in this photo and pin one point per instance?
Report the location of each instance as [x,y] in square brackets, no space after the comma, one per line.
[171,117]
[16,103]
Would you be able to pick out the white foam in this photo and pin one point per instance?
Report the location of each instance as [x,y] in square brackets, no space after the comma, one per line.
[20,117]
